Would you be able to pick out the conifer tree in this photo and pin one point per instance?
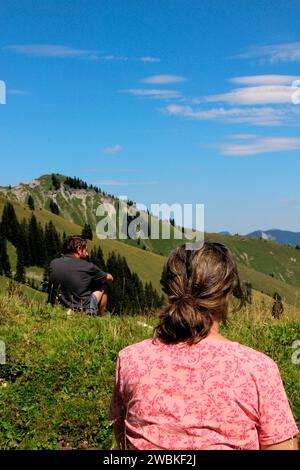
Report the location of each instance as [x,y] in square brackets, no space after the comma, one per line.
[4,259]
[127,295]
[9,227]
[139,293]
[96,257]
[30,202]
[164,278]
[54,207]
[20,269]
[23,244]
[87,232]
[55,182]
[149,296]
[36,243]
[53,245]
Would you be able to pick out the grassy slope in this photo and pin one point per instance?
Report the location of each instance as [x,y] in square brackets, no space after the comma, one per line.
[56,386]
[22,290]
[282,261]
[257,259]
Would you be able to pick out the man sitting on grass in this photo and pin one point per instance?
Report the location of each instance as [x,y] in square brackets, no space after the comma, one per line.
[75,282]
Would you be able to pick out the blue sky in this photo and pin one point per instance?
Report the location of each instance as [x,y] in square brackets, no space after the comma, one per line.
[164,101]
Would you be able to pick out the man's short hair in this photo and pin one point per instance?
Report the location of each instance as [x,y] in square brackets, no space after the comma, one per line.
[73,242]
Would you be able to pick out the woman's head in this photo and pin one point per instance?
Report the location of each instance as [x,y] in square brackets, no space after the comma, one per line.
[198,284]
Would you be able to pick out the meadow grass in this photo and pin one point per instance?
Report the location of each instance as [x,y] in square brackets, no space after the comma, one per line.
[58,378]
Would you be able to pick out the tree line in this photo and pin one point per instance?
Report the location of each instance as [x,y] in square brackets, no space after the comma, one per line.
[77,183]
[127,294]
[35,245]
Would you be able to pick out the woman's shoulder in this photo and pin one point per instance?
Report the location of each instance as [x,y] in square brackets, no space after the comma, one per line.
[252,357]
[137,348]
[254,361]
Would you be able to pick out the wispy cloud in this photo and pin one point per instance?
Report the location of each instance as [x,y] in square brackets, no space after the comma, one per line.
[265,79]
[270,103]
[242,136]
[267,94]
[260,145]
[124,183]
[50,50]
[265,116]
[113,149]
[62,52]
[163,79]
[118,58]
[286,52]
[155,93]
[149,59]
[114,169]
[14,91]
[289,202]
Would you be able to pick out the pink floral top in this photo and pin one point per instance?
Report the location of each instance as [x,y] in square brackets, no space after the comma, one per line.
[211,395]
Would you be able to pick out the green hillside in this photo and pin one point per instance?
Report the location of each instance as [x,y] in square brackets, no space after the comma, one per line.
[270,267]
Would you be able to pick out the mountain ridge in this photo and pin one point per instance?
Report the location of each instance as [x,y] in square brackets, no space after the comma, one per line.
[285,237]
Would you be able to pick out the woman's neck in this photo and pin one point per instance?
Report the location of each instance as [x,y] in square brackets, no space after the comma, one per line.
[215,328]
[214,333]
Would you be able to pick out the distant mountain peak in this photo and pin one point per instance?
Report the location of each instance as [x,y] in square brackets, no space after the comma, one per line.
[284,237]
[224,232]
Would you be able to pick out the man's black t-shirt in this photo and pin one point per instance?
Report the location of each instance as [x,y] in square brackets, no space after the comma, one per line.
[72,281]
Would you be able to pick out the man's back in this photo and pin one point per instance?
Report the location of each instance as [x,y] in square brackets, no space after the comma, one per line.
[72,281]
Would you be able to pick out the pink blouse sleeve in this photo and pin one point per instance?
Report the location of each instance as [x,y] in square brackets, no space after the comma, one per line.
[276,422]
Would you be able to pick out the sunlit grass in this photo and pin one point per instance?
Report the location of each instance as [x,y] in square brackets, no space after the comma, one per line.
[58,379]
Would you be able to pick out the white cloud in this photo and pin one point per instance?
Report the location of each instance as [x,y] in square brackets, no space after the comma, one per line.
[287,52]
[155,93]
[113,149]
[124,183]
[58,51]
[113,57]
[242,136]
[271,103]
[50,50]
[268,94]
[261,145]
[163,79]
[255,115]
[149,59]
[265,79]
[14,91]
[289,202]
